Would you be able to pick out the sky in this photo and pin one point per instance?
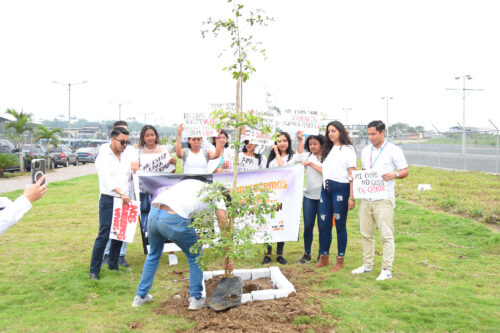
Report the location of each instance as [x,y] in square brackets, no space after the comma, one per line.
[329,56]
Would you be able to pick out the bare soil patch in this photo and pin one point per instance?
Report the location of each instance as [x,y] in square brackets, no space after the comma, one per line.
[261,316]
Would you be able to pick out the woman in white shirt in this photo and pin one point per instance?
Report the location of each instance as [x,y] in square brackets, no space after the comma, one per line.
[227,155]
[249,160]
[312,192]
[339,159]
[282,155]
[195,160]
[153,157]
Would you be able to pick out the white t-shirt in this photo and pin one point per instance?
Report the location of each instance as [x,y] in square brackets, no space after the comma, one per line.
[247,163]
[195,163]
[314,179]
[296,158]
[183,198]
[337,163]
[388,158]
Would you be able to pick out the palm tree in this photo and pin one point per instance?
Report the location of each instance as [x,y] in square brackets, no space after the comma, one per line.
[7,161]
[43,132]
[20,125]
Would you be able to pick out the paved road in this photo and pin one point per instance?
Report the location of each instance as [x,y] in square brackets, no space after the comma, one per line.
[17,183]
[477,158]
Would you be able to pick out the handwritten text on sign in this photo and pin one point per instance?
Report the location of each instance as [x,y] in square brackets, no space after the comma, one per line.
[124,220]
[198,125]
[368,184]
[300,120]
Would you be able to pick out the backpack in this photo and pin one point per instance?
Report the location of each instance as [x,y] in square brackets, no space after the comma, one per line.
[186,153]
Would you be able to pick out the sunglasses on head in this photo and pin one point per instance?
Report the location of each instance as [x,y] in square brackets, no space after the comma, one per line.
[123,142]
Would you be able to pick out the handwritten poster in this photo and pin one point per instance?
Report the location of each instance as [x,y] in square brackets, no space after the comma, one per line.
[368,184]
[198,125]
[292,121]
[125,218]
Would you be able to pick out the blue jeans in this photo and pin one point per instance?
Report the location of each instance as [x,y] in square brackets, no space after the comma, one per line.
[161,226]
[334,202]
[310,210]
[105,219]
[123,249]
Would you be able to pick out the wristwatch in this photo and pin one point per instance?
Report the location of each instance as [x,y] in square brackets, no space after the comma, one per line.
[121,194]
[397,174]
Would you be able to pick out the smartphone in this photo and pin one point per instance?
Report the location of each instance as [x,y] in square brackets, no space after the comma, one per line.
[38,169]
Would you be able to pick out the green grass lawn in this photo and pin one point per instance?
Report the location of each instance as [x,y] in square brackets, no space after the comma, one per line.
[446,274]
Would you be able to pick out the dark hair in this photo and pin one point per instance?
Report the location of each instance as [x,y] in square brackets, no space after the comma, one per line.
[378,124]
[115,132]
[320,138]
[214,139]
[257,156]
[344,137]
[188,144]
[289,151]
[120,123]
[142,143]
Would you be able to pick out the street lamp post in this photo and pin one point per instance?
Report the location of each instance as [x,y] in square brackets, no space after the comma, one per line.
[439,145]
[69,84]
[496,128]
[346,114]
[464,93]
[120,108]
[387,98]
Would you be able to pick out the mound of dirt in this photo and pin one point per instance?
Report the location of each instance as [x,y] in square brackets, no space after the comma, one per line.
[260,316]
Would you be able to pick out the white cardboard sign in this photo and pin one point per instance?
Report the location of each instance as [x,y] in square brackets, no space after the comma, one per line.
[198,125]
[125,218]
[292,121]
[368,184]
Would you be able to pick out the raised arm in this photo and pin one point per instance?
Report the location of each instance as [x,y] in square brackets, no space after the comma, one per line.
[178,144]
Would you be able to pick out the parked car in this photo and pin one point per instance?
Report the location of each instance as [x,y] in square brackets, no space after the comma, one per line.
[62,155]
[31,152]
[87,154]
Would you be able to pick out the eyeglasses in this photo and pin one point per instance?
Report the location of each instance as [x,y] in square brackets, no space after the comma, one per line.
[123,142]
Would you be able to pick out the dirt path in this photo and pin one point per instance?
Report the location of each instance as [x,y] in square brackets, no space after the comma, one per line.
[55,175]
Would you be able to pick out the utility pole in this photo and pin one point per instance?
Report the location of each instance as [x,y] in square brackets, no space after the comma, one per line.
[464,93]
[120,108]
[387,98]
[69,84]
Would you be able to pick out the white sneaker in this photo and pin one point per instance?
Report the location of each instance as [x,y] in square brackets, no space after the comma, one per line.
[361,270]
[384,275]
[138,300]
[196,304]
[172,259]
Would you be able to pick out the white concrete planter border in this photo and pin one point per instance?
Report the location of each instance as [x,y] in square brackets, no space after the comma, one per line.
[283,286]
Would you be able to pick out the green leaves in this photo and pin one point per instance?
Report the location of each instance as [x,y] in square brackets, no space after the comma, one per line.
[241,44]
[246,214]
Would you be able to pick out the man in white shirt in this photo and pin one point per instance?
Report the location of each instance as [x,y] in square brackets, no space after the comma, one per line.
[12,212]
[389,161]
[170,217]
[131,154]
[113,171]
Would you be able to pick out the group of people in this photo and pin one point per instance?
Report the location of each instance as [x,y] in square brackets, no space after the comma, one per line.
[328,196]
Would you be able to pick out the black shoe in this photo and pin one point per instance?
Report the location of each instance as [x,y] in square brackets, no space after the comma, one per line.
[305,258]
[105,260]
[267,260]
[114,270]
[281,260]
[94,276]
[123,262]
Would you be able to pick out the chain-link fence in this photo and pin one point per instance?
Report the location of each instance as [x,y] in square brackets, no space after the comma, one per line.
[446,150]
